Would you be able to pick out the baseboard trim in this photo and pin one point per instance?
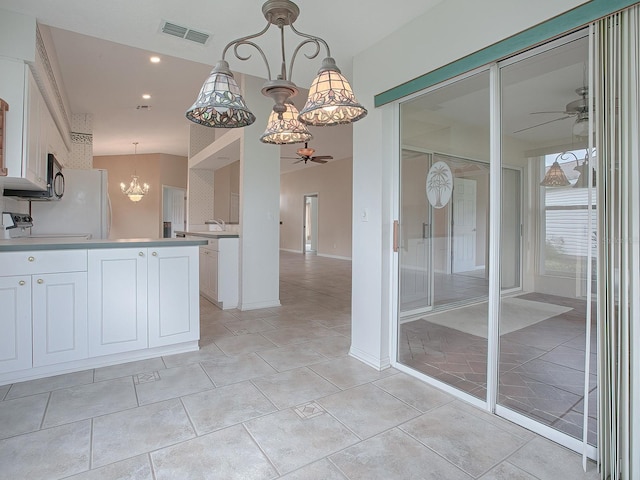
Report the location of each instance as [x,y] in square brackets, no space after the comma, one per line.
[333,256]
[374,362]
[258,305]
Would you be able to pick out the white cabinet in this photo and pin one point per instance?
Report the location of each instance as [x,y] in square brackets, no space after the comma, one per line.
[117,292]
[219,276]
[141,298]
[44,308]
[31,133]
[174,308]
[15,323]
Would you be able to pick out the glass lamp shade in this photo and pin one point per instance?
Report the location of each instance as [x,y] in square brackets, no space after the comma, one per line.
[135,191]
[220,103]
[331,100]
[287,129]
[555,177]
[581,127]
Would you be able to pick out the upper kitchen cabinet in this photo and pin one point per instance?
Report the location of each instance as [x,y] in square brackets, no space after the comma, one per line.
[36,122]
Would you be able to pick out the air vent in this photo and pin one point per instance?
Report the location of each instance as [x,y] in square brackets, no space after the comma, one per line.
[143,107]
[184,32]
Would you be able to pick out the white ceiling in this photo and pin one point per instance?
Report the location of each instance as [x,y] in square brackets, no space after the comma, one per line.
[104,46]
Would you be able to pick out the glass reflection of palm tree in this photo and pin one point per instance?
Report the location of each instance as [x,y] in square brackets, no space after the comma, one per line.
[439,181]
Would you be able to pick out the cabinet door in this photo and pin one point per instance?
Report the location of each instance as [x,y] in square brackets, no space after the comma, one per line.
[35,139]
[15,323]
[212,270]
[203,272]
[174,308]
[117,287]
[59,318]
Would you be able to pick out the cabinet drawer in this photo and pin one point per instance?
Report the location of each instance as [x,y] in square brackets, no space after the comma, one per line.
[46,261]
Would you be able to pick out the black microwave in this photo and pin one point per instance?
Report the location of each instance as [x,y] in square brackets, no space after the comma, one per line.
[55,184]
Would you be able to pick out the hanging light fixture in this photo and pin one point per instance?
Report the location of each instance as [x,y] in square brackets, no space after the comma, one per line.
[286,128]
[135,191]
[555,176]
[331,100]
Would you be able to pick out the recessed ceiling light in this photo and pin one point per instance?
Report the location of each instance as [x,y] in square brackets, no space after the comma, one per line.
[146,96]
[155,59]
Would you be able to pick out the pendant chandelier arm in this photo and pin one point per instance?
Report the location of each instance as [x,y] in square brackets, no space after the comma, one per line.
[308,39]
[245,41]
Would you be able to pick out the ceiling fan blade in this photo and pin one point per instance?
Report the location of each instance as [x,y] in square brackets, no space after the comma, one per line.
[290,158]
[553,111]
[544,123]
[322,157]
[298,161]
[315,159]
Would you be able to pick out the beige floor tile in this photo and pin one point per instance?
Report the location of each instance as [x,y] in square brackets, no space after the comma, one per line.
[300,334]
[226,406]
[394,455]
[322,469]
[367,410]
[22,415]
[173,383]
[238,345]
[227,370]
[228,454]
[85,401]
[462,438]
[42,385]
[242,327]
[3,391]
[550,461]
[507,471]
[48,454]
[349,372]
[331,347]
[292,356]
[136,468]
[127,369]
[291,441]
[204,354]
[294,387]
[416,393]
[122,435]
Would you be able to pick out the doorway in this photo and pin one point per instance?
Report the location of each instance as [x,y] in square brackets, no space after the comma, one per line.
[310,224]
[174,211]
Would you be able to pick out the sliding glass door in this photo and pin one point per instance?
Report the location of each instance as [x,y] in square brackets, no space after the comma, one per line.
[443,264]
[520,346]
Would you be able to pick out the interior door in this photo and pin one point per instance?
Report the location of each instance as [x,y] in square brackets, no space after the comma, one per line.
[464,225]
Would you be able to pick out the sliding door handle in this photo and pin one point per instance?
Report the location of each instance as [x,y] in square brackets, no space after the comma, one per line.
[396,235]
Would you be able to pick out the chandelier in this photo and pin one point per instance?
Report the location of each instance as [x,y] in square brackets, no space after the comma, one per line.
[134,191]
[330,102]
[555,176]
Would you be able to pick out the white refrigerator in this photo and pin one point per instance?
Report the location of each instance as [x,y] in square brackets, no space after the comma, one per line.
[83,209]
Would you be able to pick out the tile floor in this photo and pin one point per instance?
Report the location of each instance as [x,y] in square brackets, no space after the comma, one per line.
[271,394]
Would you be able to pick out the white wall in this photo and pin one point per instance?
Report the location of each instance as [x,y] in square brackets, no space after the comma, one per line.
[449,31]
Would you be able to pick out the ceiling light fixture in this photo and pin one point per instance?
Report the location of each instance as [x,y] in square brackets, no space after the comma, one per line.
[135,191]
[555,176]
[331,100]
[154,59]
[146,96]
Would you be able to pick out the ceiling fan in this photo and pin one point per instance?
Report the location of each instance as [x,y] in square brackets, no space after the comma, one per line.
[306,154]
[578,108]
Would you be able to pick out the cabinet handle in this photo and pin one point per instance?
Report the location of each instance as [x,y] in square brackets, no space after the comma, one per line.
[40,281]
[22,282]
[31,259]
[140,254]
[155,254]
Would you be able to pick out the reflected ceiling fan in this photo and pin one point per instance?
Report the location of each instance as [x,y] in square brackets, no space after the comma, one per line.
[578,108]
[306,155]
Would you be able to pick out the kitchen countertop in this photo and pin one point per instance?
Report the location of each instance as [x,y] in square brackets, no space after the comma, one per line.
[74,243]
[210,234]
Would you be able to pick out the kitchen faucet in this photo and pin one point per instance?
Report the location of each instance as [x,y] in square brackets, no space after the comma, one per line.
[220,224]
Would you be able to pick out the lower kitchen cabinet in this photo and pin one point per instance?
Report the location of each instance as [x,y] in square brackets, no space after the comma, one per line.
[59,302]
[15,323]
[43,309]
[142,298]
[219,274]
[173,301]
[117,293]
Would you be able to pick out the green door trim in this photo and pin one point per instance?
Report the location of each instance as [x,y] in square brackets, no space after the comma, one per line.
[564,23]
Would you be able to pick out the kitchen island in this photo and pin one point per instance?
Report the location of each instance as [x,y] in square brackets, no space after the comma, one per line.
[68,304]
[219,266]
